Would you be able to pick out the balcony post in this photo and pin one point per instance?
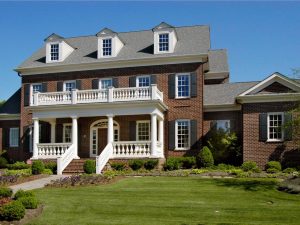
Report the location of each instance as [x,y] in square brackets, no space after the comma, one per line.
[153,91]
[74,96]
[36,138]
[153,134]
[53,126]
[75,135]
[110,129]
[110,94]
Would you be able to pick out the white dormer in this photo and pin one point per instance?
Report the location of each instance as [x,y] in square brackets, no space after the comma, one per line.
[165,38]
[109,44]
[57,49]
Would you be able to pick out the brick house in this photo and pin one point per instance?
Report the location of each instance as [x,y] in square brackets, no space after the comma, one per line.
[142,94]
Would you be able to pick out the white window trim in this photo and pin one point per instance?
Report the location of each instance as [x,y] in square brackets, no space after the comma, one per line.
[161,33]
[137,129]
[268,130]
[176,134]
[102,79]
[64,132]
[68,81]
[59,51]
[10,136]
[176,86]
[142,76]
[31,91]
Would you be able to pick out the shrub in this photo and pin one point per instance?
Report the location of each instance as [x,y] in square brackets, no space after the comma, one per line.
[47,171]
[5,192]
[274,165]
[205,158]
[118,166]
[52,166]
[22,172]
[18,166]
[250,166]
[188,162]
[225,167]
[89,166]
[3,162]
[172,163]
[272,170]
[151,164]
[22,193]
[29,202]
[136,164]
[37,167]
[289,170]
[12,211]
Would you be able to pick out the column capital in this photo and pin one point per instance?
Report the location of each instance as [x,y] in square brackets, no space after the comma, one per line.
[110,115]
[74,117]
[35,118]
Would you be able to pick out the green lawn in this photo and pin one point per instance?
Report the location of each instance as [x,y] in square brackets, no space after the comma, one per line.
[170,200]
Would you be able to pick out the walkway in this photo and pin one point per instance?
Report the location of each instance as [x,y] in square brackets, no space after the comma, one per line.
[35,184]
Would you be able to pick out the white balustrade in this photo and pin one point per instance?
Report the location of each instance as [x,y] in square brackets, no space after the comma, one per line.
[52,150]
[103,158]
[94,96]
[131,149]
[65,159]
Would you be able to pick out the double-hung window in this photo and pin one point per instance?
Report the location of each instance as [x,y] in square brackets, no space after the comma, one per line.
[69,85]
[182,131]
[67,133]
[107,47]
[14,137]
[105,83]
[275,126]
[143,81]
[143,130]
[222,125]
[35,88]
[183,85]
[54,52]
[163,42]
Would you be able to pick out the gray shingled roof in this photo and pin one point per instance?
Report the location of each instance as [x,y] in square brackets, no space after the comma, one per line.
[218,61]
[12,105]
[221,94]
[193,40]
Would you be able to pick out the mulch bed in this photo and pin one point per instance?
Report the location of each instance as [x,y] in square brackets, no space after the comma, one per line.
[30,214]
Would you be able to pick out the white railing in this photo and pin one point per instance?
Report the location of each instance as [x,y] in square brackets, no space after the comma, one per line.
[103,158]
[131,149]
[64,160]
[52,150]
[97,96]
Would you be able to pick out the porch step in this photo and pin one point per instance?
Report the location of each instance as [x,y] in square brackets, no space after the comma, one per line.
[75,167]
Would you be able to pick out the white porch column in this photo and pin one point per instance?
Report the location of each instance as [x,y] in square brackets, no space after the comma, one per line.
[75,134]
[161,135]
[110,129]
[36,132]
[153,134]
[53,125]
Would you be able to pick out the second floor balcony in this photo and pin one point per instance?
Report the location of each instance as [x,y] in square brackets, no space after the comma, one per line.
[97,96]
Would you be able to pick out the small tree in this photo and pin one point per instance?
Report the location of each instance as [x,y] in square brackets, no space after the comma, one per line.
[205,158]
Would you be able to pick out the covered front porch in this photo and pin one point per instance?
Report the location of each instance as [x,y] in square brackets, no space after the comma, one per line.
[111,136]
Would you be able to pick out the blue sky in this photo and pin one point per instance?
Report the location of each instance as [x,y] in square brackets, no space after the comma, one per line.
[261,37]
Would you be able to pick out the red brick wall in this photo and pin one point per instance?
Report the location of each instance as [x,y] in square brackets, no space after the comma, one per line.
[262,152]
[177,109]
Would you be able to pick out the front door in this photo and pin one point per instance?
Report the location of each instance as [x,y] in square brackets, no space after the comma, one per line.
[102,139]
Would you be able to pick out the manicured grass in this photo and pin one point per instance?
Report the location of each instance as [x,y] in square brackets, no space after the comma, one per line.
[170,200]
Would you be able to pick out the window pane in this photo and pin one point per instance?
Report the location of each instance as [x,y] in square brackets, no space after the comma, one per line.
[68,133]
[183,134]
[143,131]
[54,52]
[14,137]
[163,42]
[105,83]
[143,81]
[183,85]
[106,47]
[69,86]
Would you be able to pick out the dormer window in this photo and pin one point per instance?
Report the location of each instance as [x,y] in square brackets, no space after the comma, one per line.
[54,52]
[164,42]
[107,47]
